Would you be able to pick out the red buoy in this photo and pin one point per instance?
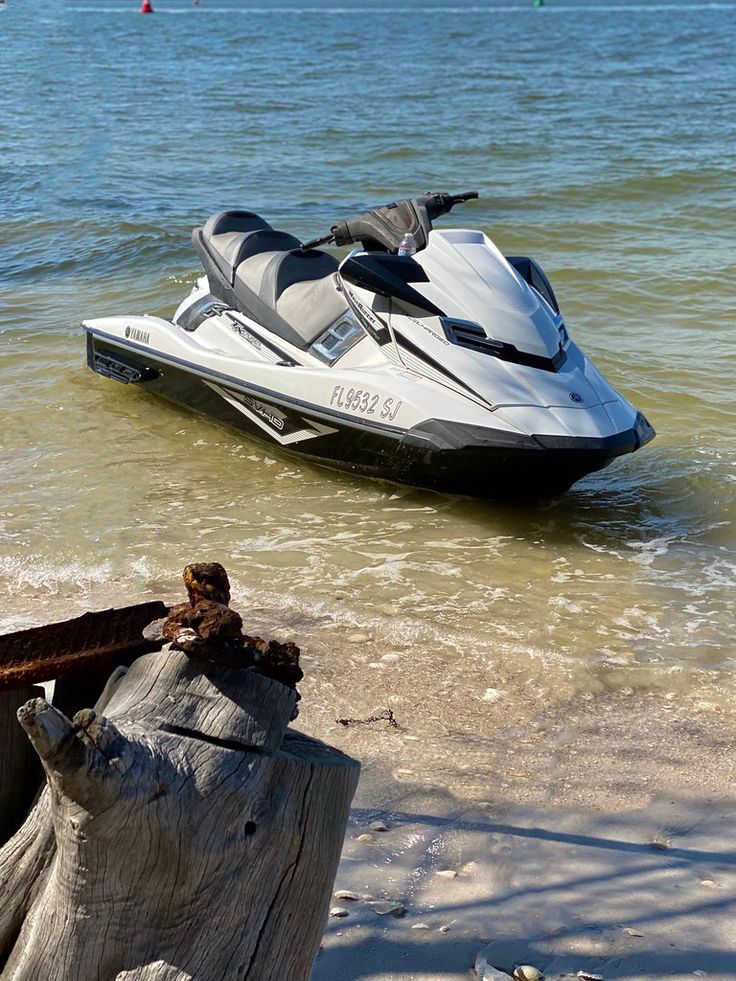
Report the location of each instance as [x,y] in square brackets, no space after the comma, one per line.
[146,7]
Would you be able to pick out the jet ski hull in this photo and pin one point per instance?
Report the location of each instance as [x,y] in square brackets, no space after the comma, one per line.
[440,455]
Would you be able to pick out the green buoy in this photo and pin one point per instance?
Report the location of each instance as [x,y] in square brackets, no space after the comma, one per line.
[538,3]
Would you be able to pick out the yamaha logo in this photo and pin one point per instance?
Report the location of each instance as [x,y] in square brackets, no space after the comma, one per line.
[574,397]
[134,334]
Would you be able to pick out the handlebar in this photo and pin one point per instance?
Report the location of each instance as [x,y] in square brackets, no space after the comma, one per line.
[370,225]
[440,204]
[467,196]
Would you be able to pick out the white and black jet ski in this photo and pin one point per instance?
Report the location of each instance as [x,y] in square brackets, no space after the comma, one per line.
[424,357]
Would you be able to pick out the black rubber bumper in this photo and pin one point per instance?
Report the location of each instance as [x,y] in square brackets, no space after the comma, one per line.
[493,463]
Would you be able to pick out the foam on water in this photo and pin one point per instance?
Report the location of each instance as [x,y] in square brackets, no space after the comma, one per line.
[26,573]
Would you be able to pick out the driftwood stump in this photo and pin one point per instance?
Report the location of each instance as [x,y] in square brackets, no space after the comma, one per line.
[79,654]
[184,834]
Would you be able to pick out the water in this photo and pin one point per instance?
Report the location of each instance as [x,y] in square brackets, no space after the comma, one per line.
[601,137]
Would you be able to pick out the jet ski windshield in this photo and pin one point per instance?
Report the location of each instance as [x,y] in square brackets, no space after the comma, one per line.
[382,229]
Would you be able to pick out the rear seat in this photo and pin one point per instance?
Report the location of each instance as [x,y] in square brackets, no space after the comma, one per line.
[231,236]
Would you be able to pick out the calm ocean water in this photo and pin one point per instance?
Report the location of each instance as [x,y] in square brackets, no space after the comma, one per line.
[602,138]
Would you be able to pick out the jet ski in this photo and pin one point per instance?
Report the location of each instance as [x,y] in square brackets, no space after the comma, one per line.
[424,356]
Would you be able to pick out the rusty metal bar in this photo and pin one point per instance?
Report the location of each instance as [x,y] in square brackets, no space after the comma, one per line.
[72,648]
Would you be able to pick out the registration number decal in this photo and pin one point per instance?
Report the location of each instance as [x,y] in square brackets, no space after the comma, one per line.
[359,400]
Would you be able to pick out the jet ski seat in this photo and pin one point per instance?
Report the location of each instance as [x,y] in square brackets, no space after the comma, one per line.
[296,293]
[266,275]
[232,236]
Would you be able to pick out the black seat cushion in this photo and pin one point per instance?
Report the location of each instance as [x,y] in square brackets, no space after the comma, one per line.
[233,221]
[305,291]
[296,267]
[266,275]
[310,307]
[263,240]
[232,236]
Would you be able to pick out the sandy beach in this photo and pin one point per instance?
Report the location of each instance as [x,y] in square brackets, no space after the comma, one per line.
[592,835]
[588,832]
[605,843]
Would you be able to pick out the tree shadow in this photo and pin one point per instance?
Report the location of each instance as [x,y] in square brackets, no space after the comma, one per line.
[598,897]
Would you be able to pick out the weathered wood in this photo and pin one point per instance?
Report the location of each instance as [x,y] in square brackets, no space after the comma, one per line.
[24,863]
[26,860]
[20,772]
[193,836]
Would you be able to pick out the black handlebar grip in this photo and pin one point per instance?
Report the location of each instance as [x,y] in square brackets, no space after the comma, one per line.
[342,233]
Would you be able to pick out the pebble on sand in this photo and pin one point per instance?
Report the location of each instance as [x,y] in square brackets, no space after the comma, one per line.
[346,894]
[447,873]
[378,826]
[527,972]
[388,908]
[338,912]
[366,839]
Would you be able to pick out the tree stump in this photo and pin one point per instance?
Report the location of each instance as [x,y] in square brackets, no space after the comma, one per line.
[78,653]
[186,834]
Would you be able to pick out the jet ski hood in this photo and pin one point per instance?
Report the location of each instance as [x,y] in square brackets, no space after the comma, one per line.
[470,280]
